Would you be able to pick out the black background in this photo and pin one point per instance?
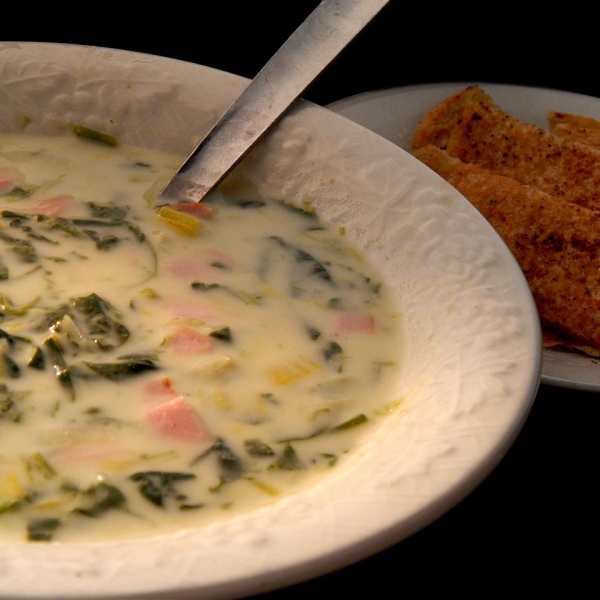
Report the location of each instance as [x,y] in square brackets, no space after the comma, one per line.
[408,42]
[532,525]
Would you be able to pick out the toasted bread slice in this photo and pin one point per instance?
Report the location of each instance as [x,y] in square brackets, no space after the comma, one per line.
[437,125]
[556,243]
[575,128]
[485,135]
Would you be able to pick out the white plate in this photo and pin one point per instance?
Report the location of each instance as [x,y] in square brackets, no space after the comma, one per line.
[472,340]
[394,113]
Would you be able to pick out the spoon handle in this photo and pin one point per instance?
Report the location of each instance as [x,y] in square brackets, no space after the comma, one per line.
[309,50]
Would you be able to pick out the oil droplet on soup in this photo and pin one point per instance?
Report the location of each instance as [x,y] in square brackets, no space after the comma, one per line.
[167,367]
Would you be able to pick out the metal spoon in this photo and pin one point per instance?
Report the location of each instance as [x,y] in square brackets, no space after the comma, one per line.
[309,50]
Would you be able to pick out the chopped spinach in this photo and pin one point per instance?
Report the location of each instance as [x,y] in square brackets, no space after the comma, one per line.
[107,211]
[38,467]
[158,486]
[231,466]
[200,286]
[258,448]
[9,367]
[124,368]
[330,459]
[223,334]
[307,210]
[288,460]
[101,498]
[12,340]
[59,364]
[23,249]
[37,360]
[315,267]
[101,321]
[353,422]
[9,404]
[332,350]
[9,214]
[313,332]
[358,420]
[42,529]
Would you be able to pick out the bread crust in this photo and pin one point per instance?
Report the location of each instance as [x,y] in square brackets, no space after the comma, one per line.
[474,129]
[439,122]
[555,242]
[576,128]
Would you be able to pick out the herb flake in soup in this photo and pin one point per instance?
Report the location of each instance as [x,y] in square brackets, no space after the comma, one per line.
[164,367]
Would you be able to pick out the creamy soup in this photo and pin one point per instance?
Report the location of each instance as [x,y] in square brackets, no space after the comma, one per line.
[168,366]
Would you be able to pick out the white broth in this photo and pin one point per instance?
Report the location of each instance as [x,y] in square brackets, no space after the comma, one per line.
[161,369]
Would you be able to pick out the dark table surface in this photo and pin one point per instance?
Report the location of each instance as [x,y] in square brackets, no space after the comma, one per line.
[532,525]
